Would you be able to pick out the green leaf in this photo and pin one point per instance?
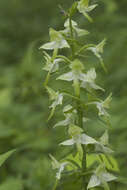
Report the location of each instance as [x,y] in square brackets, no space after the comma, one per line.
[91,159]
[76,158]
[75,162]
[73,165]
[5,156]
[110,162]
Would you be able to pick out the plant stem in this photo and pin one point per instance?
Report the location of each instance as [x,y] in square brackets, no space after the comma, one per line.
[55,185]
[84,48]
[79,110]
[48,75]
[80,124]
[72,36]
[84,166]
[64,58]
[47,79]
[55,52]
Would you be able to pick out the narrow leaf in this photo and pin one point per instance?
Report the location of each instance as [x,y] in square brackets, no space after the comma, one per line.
[5,156]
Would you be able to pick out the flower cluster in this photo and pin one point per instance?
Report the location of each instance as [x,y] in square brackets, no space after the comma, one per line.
[82,81]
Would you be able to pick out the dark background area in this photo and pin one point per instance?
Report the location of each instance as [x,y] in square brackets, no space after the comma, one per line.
[24,26]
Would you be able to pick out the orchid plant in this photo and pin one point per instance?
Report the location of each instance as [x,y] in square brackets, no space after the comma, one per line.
[83,81]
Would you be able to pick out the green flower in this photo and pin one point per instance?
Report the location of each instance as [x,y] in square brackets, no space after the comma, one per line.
[98,50]
[51,66]
[57,41]
[57,100]
[58,166]
[78,137]
[88,81]
[76,30]
[100,178]
[103,105]
[70,116]
[85,8]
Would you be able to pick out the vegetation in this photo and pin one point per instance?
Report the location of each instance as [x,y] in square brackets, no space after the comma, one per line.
[24,104]
[78,106]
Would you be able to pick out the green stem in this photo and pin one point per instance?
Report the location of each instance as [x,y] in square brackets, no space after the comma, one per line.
[84,163]
[72,36]
[47,79]
[86,173]
[64,58]
[84,47]
[84,167]
[80,124]
[79,110]
[55,185]
[77,88]
[55,52]
[48,75]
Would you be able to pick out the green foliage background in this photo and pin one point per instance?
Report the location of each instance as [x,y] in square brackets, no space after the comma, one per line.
[23,101]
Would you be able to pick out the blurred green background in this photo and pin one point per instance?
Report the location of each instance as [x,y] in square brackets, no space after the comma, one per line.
[24,103]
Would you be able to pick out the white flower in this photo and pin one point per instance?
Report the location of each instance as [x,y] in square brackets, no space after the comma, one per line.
[59,166]
[56,41]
